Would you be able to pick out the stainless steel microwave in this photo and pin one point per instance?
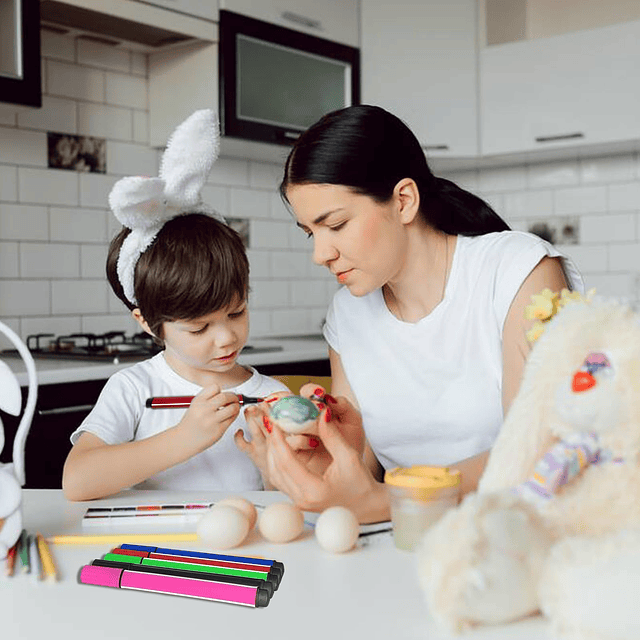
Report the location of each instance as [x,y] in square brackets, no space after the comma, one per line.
[276,82]
[20,52]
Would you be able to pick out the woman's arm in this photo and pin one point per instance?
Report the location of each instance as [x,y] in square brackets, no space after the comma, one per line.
[548,273]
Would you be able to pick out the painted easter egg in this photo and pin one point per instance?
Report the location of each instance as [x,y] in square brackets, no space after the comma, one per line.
[294,414]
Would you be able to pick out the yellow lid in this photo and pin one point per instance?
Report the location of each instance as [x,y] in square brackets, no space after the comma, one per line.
[423,477]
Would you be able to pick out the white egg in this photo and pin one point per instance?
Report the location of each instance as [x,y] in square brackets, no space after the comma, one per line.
[281,522]
[223,527]
[246,506]
[337,529]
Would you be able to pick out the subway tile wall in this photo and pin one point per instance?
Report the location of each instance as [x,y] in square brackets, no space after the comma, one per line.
[599,197]
[55,224]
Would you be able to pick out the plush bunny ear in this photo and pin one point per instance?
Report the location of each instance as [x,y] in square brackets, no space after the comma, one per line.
[138,202]
[190,154]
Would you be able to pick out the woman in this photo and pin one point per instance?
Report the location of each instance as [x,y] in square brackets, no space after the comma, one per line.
[427,335]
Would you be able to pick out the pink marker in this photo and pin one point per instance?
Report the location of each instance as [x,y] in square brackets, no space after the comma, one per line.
[205,588]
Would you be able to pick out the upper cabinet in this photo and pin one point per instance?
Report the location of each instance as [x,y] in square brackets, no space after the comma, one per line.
[20,53]
[134,24]
[571,92]
[419,61]
[335,20]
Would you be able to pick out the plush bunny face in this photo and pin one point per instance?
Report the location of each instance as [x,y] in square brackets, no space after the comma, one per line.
[602,394]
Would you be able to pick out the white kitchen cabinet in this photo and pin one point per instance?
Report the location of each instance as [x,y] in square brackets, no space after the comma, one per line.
[207,9]
[419,61]
[180,82]
[576,91]
[335,20]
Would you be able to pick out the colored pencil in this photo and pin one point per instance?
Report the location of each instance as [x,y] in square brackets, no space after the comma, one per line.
[118,538]
[191,587]
[180,402]
[34,558]
[23,552]
[11,559]
[202,554]
[185,565]
[48,565]
[187,573]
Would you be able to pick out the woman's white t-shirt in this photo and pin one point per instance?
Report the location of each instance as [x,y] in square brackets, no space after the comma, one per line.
[120,415]
[430,392]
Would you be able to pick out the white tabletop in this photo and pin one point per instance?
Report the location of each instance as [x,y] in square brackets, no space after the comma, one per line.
[370,592]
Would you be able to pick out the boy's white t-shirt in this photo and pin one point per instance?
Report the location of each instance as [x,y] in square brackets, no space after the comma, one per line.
[120,415]
[430,392]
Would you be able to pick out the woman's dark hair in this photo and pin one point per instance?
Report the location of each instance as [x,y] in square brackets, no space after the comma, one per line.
[196,265]
[370,150]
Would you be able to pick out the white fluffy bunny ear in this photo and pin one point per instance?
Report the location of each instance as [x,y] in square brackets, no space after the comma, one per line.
[138,202]
[189,156]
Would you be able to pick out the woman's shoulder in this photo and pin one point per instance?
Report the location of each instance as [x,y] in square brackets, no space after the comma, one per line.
[500,241]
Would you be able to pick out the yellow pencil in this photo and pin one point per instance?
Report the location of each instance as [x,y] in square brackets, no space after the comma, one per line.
[117,538]
[48,565]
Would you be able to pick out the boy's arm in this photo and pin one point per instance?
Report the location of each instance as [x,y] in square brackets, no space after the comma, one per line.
[94,469]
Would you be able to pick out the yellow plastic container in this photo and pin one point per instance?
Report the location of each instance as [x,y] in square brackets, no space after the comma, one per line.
[419,495]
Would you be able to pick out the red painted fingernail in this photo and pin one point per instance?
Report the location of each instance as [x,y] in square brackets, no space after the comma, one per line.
[267,424]
[319,391]
[330,398]
[314,442]
[327,415]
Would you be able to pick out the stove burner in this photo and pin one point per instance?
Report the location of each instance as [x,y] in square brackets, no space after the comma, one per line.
[113,345]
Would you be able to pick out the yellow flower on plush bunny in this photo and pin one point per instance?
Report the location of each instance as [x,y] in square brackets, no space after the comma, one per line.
[12,475]
[555,524]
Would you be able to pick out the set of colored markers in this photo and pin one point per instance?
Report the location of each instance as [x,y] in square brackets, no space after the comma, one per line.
[33,555]
[194,574]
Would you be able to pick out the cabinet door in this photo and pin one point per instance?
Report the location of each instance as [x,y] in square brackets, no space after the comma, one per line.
[180,82]
[573,90]
[418,61]
[335,20]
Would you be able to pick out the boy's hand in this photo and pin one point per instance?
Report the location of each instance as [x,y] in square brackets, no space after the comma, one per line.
[209,416]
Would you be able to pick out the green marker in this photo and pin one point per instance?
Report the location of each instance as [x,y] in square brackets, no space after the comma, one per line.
[190,566]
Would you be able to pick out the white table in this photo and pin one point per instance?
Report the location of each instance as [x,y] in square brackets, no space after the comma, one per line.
[371,592]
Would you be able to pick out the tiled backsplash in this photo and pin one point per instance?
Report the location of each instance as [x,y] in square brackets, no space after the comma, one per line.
[593,204]
[55,224]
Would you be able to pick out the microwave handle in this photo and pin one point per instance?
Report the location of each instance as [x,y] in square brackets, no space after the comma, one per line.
[301,20]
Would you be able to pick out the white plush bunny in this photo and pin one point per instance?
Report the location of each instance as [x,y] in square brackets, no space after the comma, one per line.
[555,524]
[12,475]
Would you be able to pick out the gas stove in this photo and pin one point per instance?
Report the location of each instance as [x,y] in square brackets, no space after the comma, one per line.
[90,346]
[113,346]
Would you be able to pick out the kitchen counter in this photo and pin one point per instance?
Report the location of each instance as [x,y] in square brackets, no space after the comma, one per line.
[51,371]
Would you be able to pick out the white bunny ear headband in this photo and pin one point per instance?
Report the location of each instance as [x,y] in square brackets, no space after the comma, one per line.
[145,204]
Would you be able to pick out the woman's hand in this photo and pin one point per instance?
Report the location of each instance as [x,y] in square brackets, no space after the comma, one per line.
[208,417]
[259,425]
[344,481]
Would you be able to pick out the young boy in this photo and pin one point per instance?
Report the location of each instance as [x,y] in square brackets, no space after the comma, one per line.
[185,280]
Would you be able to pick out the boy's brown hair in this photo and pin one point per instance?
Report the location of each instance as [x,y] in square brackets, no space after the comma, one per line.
[196,265]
